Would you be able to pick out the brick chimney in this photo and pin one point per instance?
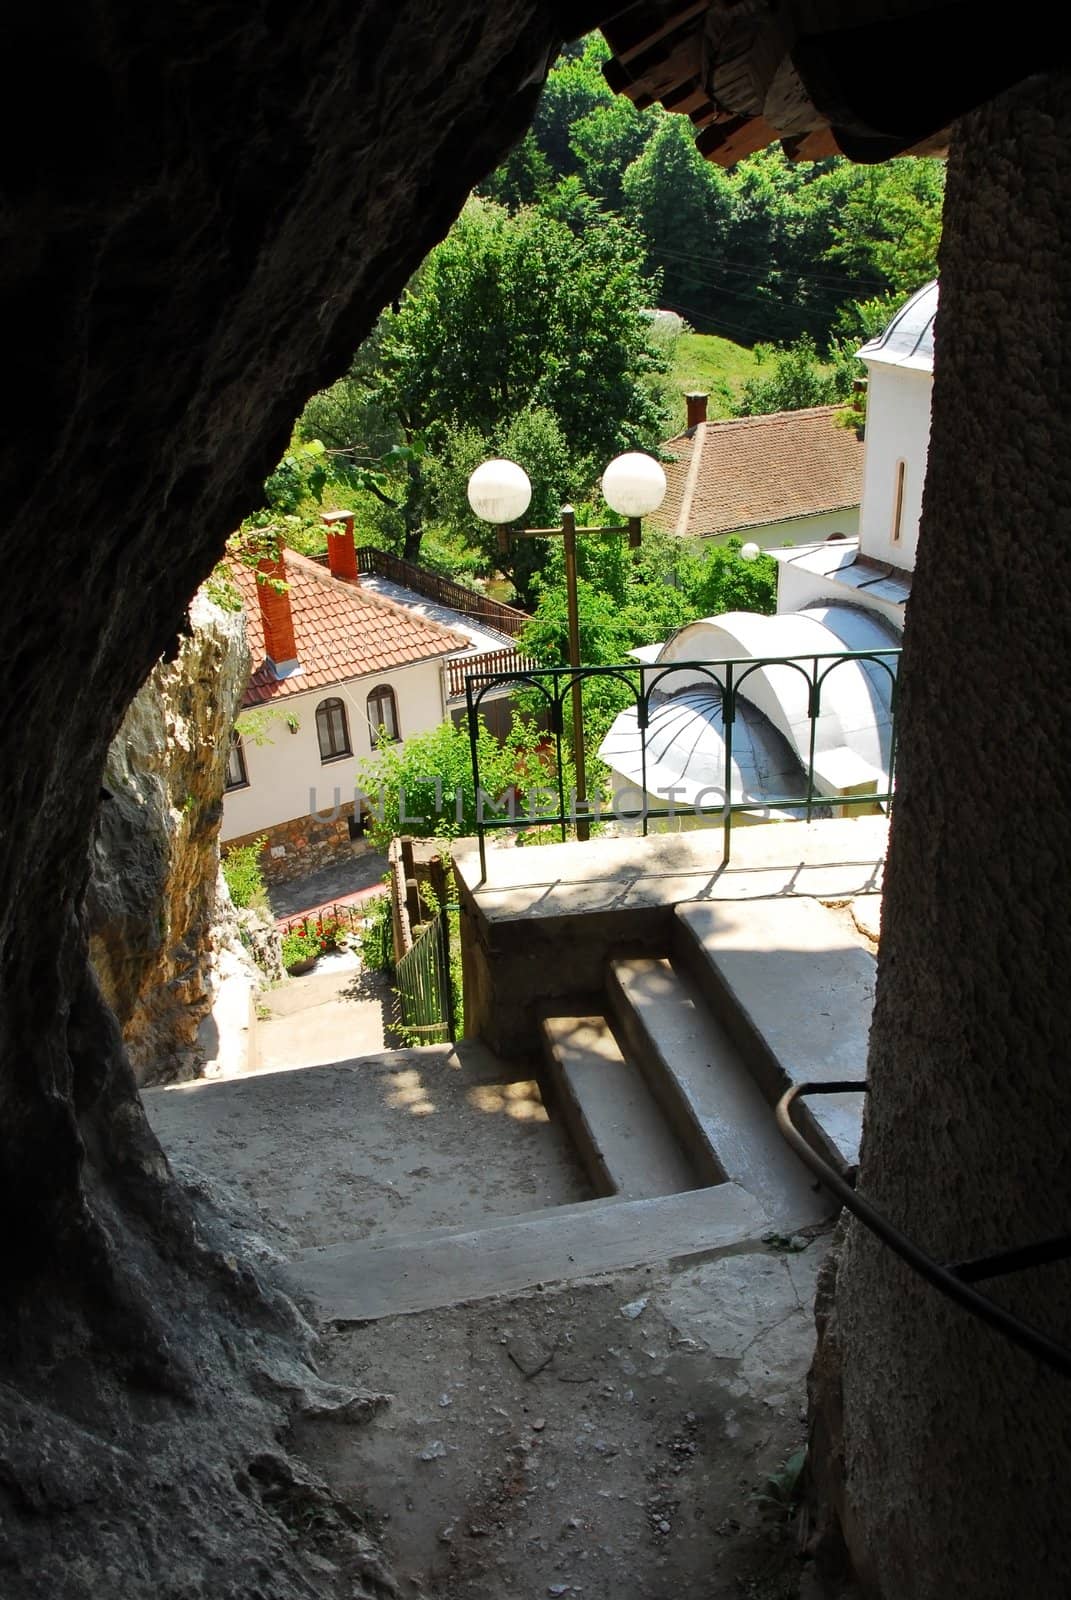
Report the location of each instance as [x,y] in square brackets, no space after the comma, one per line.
[341,551]
[697,409]
[280,646]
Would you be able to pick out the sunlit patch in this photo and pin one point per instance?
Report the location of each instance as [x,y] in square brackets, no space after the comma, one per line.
[407,1093]
[521,1101]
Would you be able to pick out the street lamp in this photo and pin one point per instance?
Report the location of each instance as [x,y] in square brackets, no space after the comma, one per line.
[633,485]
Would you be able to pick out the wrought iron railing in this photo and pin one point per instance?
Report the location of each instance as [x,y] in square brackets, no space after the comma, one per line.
[647,686]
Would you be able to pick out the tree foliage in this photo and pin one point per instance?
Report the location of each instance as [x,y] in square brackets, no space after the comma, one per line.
[426,787]
[519,330]
[768,250]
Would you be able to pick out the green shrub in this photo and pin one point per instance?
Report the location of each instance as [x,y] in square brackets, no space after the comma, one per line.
[243,876]
[299,946]
[376,939]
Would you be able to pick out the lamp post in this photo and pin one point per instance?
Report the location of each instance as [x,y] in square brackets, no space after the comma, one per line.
[633,485]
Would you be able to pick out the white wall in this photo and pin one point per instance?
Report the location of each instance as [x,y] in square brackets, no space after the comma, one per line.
[286,766]
[897,429]
[797,530]
[797,588]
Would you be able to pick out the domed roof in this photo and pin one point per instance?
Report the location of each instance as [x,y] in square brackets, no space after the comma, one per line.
[685,742]
[908,340]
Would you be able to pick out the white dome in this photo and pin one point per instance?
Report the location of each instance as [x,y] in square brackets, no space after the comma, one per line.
[908,340]
[685,740]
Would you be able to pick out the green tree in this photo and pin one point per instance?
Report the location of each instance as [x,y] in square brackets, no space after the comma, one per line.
[523,177]
[885,221]
[575,86]
[426,786]
[681,206]
[604,142]
[793,379]
[512,316]
[721,580]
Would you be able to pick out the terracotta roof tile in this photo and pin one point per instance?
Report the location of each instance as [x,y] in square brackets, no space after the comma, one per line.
[747,471]
[342,632]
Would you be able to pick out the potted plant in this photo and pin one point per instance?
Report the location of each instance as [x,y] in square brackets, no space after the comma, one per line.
[301,951]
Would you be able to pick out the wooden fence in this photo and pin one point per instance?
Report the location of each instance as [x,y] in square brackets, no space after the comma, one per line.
[485,661]
[503,618]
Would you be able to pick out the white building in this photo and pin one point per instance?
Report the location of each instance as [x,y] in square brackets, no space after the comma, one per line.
[874,570]
[336,667]
[844,593]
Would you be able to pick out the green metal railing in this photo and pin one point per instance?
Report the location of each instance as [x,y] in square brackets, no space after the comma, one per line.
[422,981]
[729,677]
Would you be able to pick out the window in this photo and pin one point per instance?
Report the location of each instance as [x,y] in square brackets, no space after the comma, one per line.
[898,503]
[237,778]
[332,729]
[383,712]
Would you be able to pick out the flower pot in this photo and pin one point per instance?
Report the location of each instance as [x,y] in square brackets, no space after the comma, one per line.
[298,968]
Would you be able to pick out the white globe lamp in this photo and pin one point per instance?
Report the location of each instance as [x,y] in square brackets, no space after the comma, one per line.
[750,552]
[499,492]
[634,484]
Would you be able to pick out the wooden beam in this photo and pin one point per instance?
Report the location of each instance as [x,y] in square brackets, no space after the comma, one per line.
[812,146]
[627,41]
[729,142]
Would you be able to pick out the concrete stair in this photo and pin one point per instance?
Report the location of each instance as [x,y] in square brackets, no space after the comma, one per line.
[795,999]
[666,1084]
[706,1092]
[607,1106]
[405,1273]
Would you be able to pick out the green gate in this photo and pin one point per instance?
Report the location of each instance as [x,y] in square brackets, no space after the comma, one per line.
[422,980]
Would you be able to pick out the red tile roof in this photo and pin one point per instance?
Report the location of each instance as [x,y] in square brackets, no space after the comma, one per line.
[342,632]
[747,471]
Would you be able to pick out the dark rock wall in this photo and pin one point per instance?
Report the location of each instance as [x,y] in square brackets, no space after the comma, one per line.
[210,205]
[207,206]
[955,1444]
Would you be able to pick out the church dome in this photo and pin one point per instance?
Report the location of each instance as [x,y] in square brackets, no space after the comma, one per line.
[908,340]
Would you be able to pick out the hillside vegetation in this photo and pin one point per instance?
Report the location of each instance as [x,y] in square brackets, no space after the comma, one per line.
[528,332]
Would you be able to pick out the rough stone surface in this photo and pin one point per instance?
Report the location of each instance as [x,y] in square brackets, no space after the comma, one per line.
[195,241]
[292,850]
[158,909]
[954,1442]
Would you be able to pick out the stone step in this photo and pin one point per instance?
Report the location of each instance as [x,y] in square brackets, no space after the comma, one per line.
[615,1124]
[387,1277]
[706,1091]
[795,994]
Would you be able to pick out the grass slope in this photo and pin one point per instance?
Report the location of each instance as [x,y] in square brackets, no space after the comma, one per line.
[707,363]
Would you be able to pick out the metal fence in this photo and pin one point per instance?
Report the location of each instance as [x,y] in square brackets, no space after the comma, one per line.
[345,917]
[646,688]
[423,984]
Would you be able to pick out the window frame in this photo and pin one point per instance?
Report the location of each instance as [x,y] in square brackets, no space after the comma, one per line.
[898,503]
[379,693]
[236,750]
[326,711]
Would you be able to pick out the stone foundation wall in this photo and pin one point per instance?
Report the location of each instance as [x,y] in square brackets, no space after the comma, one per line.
[295,848]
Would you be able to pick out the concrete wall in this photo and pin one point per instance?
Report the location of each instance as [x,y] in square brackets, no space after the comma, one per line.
[797,589]
[797,530]
[287,778]
[897,429]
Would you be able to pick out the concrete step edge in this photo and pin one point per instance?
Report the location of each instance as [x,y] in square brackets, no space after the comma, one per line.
[664,1083]
[408,1273]
[702,1075]
[821,1123]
